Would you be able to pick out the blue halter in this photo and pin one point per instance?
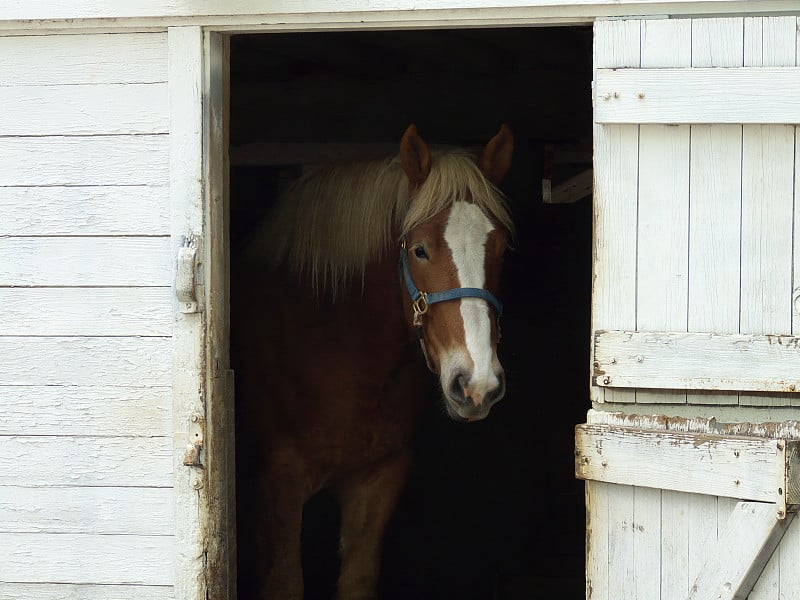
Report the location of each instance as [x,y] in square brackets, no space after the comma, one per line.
[421,300]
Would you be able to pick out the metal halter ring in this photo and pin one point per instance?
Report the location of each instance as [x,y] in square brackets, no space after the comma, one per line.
[420,307]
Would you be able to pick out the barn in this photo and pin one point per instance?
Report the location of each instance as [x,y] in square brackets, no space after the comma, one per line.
[649,443]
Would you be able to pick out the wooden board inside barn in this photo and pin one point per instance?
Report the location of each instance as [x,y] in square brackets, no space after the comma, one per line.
[509,523]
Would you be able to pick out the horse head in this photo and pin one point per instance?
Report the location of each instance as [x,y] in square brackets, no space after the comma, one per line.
[454,237]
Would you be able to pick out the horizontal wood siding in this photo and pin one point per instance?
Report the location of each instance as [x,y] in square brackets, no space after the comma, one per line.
[54,591]
[85,361]
[62,461]
[62,110]
[83,59]
[711,218]
[85,409]
[86,558]
[85,160]
[86,311]
[96,211]
[96,510]
[87,506]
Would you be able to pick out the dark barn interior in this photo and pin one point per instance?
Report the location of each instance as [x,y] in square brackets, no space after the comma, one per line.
[509,522]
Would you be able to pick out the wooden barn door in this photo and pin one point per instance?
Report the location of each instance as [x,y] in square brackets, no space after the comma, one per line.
[696,311]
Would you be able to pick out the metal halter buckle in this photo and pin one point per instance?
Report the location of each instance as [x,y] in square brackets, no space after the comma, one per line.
[420,306]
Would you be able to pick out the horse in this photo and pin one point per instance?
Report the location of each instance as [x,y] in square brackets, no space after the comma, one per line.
[363,275]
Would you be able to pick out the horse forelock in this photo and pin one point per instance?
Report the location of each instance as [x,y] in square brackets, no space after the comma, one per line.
[330,224]
[455,177]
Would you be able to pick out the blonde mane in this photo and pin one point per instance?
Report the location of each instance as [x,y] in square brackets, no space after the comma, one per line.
[329,224]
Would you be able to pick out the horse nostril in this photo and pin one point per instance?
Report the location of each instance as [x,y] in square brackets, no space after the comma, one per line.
[496,393]
[457,386]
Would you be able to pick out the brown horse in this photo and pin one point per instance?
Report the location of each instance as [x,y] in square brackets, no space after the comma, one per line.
[329,375]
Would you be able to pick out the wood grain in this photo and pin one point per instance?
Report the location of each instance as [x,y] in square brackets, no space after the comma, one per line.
[54,591]
[117,108]
[697,361]
[119,361]
[100,510]
[86,410]
[85,261]
[85,461]
[86,311]
[85,160]
[76,558]
[84,59]
[84,210]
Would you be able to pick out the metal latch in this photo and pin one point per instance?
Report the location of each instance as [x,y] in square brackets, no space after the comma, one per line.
[187,275]
[192,456]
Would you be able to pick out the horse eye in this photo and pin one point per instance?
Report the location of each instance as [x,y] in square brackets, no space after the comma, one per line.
[420,253]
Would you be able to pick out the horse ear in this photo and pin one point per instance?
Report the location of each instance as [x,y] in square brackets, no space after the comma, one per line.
[496,158]
[414,156]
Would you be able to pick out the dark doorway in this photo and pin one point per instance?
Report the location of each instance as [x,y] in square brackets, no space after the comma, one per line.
[509,522]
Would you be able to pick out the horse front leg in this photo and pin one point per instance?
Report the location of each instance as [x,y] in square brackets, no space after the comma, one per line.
[367,503]
[278,546]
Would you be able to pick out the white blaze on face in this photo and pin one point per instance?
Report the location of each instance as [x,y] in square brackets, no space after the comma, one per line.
[466,233]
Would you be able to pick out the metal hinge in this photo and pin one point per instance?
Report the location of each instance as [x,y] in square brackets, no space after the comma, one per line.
[188,275]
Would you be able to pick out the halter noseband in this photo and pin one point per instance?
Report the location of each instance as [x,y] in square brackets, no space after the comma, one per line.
[420,301]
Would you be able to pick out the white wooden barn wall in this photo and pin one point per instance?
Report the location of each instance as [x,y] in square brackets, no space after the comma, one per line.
[86,459]
[695,232]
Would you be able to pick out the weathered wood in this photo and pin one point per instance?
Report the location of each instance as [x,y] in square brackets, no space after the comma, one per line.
[80,410]
[647,532]
[775,428]
[735,467]
[697,361]
[125,559]
[84,109]
[573,189]
[745,545]
[616,165]
[697,95]
[100,510]
[187,61]
[86,311]
[663,252]
[672,552]
[355,12]
[85,160]
[55,591]
[85,261]
[767,179]
[789,558]
[219,449]
[83,59]
[597,542]
[715,219]
[715,201]
[84,210]
[621,542]
[717,42]
[126,362]
[85,461]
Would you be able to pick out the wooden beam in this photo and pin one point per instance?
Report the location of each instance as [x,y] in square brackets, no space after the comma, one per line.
[573,189]
[697,95]
[750,468]
[697,361]
[740,554]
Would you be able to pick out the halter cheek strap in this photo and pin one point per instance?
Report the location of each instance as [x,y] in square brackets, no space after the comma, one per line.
[421,300]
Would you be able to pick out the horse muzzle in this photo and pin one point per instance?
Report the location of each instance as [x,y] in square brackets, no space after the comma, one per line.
[471,399]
